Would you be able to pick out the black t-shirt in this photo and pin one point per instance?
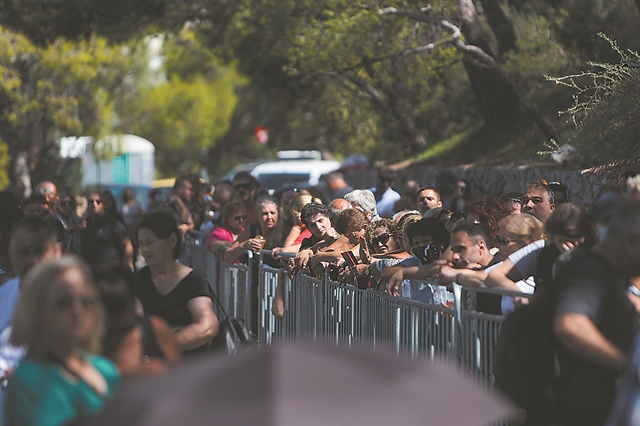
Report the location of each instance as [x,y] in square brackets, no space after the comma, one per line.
[489,303]
[171,307]
[101,241]
[589,285]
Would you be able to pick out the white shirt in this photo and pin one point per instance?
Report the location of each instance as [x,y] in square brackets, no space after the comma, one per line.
[9,296]
[525,260]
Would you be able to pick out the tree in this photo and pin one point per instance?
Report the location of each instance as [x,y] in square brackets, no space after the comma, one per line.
[187,112]
[63,89]
[606,111]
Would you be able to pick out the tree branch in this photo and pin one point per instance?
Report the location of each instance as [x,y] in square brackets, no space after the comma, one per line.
[484,58]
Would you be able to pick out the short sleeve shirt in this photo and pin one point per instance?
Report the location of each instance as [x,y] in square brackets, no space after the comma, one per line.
[171,307]
[525,260]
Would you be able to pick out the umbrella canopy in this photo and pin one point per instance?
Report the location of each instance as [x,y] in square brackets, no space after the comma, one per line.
[306,384]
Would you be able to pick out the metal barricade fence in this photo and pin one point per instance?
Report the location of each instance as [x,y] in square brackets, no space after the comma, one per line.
[324,310]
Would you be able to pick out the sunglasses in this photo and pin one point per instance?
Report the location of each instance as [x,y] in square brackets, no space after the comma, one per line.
[505,241]
[98,202]
[381,239]
[239,218]
[241,186]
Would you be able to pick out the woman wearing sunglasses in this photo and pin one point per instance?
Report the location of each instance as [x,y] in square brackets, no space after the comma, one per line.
[385,250]
[234,216]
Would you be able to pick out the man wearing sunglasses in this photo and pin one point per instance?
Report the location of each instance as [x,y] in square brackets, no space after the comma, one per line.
[245,188]
[103,237]
[538,200]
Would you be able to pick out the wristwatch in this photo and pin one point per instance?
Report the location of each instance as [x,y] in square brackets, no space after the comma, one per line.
[367,271]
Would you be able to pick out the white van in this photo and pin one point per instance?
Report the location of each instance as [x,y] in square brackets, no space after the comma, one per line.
[294,168]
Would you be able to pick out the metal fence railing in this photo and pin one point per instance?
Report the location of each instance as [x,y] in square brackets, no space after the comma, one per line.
[324,310]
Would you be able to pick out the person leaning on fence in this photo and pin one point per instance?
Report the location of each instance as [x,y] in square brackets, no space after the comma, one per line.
[429,242]
[516,232]
[569,226]
[470,256]
[234,217]
[385,249]
[299,230]
[351,224]
[265,233]
[316,217]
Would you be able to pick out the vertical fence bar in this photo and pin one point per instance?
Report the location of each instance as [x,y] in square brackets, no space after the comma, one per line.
[323,310]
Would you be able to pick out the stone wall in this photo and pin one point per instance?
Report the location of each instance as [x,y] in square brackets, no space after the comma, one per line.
[583,185]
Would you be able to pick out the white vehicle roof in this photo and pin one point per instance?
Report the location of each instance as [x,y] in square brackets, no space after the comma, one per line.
[276,174]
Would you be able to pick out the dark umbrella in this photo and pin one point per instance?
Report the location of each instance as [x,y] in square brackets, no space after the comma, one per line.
[304,384]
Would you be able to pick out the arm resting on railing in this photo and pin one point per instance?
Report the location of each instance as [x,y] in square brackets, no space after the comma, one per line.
[504,276]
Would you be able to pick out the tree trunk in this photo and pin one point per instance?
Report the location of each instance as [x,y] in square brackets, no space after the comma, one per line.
[498,102]
[500,25]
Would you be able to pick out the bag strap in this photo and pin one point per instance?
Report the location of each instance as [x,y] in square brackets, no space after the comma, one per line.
[216,300]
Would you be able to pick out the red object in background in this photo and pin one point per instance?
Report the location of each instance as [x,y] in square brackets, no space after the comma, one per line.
[262,134]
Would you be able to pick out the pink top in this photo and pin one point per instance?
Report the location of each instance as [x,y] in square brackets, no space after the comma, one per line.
[220,234]
[304,234]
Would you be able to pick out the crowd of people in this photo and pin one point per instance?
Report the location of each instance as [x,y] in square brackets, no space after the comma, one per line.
[91,294]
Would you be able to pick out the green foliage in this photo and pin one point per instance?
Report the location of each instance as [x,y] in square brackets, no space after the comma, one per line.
[66,88]
[185,114]
[606,110]
[4,163]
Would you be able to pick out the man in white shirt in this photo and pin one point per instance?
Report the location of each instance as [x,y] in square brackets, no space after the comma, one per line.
[33,241]
[386,197]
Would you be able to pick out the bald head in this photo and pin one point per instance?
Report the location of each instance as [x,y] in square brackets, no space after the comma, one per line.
[336,207]
[49,191]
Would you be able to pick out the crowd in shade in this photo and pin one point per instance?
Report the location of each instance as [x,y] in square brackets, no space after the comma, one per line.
[92,294]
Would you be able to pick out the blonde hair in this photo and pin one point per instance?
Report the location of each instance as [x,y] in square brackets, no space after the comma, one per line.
[301,200]
[29,321]
[524,227]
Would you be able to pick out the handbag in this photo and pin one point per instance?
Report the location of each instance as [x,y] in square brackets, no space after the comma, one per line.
[233,334]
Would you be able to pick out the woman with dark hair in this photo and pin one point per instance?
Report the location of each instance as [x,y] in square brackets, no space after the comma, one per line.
[351,224]
[111,206]
[487,210]
[170,290]
[264,234]
[234,216]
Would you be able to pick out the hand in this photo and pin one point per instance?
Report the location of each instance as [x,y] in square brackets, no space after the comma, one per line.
[302,258]
[446,275]
[252,244]
[360,268]
[183,229]
[394,283]
[365,256]
[346,275]
[566,246]
[274,252]
[82,224]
